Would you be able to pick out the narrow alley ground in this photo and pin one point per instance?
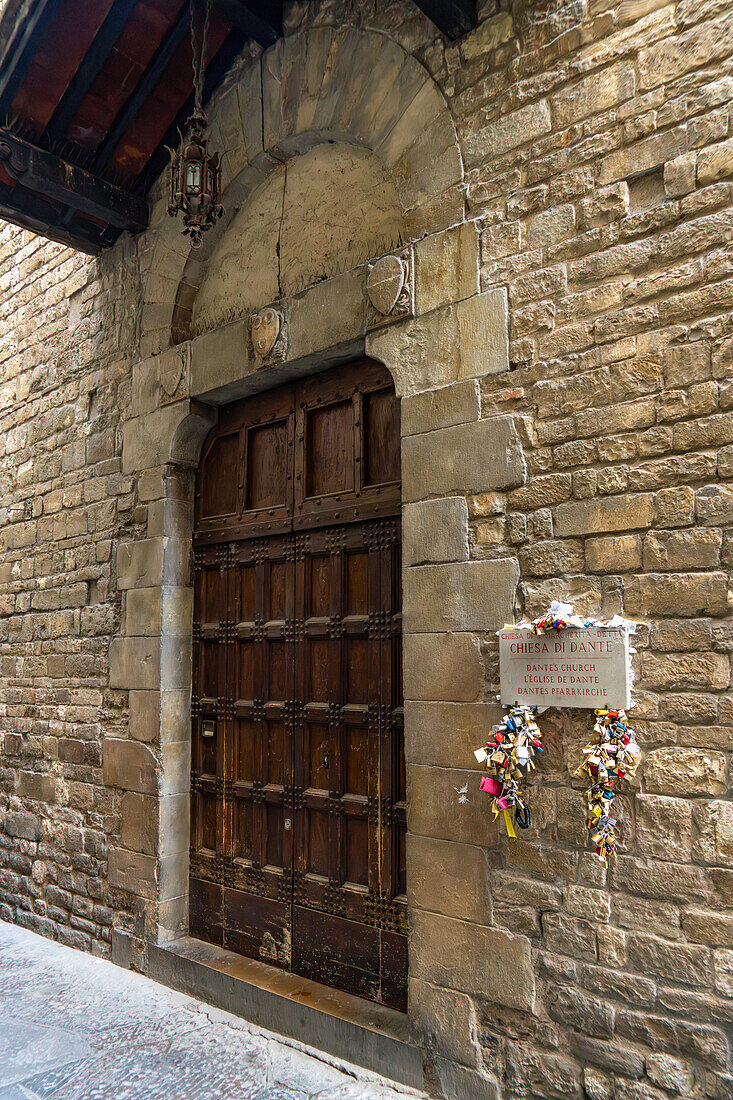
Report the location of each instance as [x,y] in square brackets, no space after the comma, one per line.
[73,1027]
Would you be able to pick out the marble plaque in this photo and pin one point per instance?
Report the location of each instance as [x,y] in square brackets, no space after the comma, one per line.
[565,668]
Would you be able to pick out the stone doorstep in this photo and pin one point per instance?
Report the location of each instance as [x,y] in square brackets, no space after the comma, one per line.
[340,1024]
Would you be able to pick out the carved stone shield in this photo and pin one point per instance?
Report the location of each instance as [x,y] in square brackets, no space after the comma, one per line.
[174,370]
[265,331]
[385,282]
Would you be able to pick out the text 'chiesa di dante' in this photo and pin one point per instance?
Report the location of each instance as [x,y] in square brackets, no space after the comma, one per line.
[366,524]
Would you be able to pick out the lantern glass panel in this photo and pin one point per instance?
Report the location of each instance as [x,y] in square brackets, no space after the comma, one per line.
[193,177]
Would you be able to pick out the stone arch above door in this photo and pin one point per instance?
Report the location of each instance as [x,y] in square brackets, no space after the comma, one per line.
[327,85]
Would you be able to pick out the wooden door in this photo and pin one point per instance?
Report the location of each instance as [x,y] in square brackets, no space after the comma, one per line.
[298,786]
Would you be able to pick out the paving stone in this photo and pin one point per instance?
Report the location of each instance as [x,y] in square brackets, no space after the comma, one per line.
[73,1027]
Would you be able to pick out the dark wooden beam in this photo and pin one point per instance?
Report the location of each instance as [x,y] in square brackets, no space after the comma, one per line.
[219,66]
[452,17]
[261,20]
[90,67]
[143,88]
[59,181]
[31,212]
[17,58]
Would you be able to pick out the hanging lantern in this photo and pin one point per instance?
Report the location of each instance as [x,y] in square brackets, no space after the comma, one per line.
[195,182]
[195,189]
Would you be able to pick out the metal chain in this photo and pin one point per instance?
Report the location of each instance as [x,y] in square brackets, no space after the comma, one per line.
[199,53]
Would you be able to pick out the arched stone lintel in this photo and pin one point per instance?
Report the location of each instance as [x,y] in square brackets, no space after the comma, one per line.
[326,84]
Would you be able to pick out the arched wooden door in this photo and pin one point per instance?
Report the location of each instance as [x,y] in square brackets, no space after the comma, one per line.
[298,783]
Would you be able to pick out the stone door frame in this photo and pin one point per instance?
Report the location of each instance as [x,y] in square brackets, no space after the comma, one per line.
[436,358]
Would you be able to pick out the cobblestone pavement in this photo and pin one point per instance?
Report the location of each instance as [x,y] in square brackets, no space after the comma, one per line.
[73,1027]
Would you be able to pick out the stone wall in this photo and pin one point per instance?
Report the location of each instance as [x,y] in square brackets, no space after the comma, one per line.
[64,502]
[592,212]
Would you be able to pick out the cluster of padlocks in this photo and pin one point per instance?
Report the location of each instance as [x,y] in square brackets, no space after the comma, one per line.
[612,754]
[509,755]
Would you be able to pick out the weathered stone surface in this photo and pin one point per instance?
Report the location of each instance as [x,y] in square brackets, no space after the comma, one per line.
[468,339]
[446,803]
[686,594]
[452,879]
[477,595]
[510,132]
[135,663]
[435,531]
[622,513]
[139,823]
[685,771]
[664,827]
[446,267]
[445,667]
[446,734]
[466,458]
[132,872]
[445,1018]
[486,961]
[458,403]
[615,554]
[130,765]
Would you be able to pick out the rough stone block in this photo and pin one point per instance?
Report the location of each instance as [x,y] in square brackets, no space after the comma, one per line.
[681,594]
[129,765]
[133,872]
[446,1019]
[139,814]
[467,458]
[143,612]
[675,961]
[144,715]
[682,550]
[446,803]
[715,163]
[140,564]
[664,827]
[446,267]
[552,557]
[134,663]
[461,1083]
[477,595]
[704,926]
[483,334]
[37,786]
[710,671]
[551,226]
[435,531]
[724,973]
[588,517]
[615,554]
[24,826]
[488,962]
[509,132]
[685,772]
[446,734]
[448,878]
[444,667]
[458,403]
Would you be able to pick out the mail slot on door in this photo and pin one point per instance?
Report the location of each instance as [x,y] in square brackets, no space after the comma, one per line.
[208,727]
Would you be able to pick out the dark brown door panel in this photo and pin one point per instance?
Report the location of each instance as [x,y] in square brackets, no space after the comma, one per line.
[298,791]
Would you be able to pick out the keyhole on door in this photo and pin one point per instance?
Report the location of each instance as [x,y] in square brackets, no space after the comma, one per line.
[325,758]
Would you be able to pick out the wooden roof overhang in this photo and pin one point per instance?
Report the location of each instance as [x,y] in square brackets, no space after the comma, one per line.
[93,92]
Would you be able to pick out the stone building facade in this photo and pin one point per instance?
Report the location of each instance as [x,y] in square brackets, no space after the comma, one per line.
[559,183]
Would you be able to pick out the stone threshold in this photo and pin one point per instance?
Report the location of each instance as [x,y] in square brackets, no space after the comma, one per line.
[340,1024]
